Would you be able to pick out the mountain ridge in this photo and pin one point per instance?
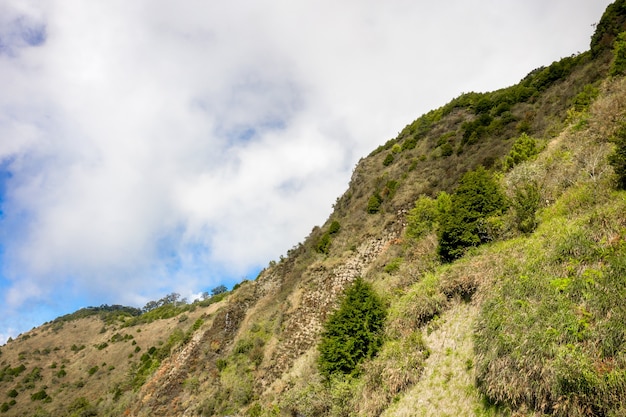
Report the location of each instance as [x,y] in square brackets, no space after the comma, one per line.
[253,351]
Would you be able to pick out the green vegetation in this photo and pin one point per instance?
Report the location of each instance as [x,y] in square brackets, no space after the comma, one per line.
[610,25]
[552,336]
[81,407]
[324,242]
[354,332]
[7,373]
[41,395]
[106,312]
[477,197]
[530,324]
[422,218]
[618,65]
[618,157]
[526,202]
[524,148]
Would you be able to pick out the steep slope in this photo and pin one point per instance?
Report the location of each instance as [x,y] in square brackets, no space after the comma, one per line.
[491,333]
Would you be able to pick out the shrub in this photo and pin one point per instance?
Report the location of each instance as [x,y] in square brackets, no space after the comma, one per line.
[618,158]
[323,244]
[477,197]
[373,204]
[421,218]
[388,159]
[334,227]
[13,393]
[524,148]
[618,65]
[393,265]
[353,332]
[81,407]
[40,396]
[446,150]
[76,348]
[526,203]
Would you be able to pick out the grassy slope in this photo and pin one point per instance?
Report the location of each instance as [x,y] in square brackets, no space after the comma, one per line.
[255,354]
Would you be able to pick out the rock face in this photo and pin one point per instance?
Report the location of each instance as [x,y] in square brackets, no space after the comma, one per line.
[313,296]
[303,324]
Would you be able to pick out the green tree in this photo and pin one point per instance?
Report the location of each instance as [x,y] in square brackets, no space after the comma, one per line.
[422,218]
[618,157]
[524,148]
[618,65]
[334,228]
[352,333]
[526,203]
[373,204]
[477,197]
[220,289]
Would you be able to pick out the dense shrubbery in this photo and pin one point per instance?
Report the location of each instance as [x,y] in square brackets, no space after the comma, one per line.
[524,148]
[618,157]
[552,335]
[610,25]
[422,218]
[477,197]
[618,65]
[325,241]
[354,332]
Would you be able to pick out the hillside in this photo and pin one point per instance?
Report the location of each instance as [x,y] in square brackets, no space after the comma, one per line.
[480,254]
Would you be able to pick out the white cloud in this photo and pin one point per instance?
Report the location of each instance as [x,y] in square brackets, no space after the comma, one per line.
[159,146]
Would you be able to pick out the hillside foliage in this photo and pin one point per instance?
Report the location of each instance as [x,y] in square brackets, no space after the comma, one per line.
[475,266]
[353,332]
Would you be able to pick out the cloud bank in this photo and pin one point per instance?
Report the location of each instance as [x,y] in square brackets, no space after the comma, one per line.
[152,146]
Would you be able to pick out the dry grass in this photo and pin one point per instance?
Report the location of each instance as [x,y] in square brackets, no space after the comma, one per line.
[55,348]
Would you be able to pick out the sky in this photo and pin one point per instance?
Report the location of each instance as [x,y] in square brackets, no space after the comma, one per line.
[153,146]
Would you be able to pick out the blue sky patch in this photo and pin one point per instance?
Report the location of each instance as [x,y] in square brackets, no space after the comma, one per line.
[21,33]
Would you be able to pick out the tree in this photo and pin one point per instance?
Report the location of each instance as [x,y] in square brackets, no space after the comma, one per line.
[524,148]
[526,203]
[618,157]
[477,197]
[220,289]
[352,333]
[422,218]
[373,204]
[618,65]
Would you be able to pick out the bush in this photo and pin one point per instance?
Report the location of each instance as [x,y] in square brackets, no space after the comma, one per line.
[334,227]
[422,218]
[388,159]
[40,396]
[81,407]
[618,65]
[618,158]
[477,197]
[323,244]
[373,204]
[353,333]
[524,148]
[526,203]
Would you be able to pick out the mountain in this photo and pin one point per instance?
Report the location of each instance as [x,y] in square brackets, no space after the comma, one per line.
[474,266]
